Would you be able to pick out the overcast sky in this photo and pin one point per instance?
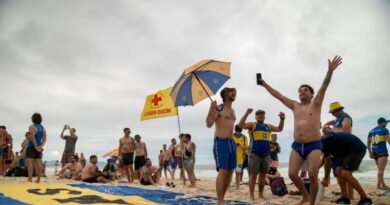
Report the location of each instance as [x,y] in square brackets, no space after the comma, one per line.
[92,63]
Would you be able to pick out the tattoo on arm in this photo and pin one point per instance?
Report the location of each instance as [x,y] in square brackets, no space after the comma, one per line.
[326,81]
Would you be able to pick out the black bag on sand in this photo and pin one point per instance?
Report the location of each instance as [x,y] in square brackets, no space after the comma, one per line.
[278,187]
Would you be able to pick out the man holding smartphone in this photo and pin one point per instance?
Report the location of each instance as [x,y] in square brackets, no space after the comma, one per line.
[70,144]
[307,137]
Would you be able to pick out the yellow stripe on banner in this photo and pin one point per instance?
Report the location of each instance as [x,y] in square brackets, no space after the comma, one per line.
[262,135]
[32,193]
[378,138]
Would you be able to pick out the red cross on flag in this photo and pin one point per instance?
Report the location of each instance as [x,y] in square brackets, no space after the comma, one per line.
[158,105]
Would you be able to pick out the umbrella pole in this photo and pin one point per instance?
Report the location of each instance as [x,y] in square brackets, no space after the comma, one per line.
[178,120]
[197,78]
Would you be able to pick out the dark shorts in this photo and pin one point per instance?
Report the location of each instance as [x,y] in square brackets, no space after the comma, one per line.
[32,153]
[166,164]
[352,162]
[128,158]
[379,155]
[146,183]
[258,164]
[305,149]
[66,156]
[91,180]
[245,164]
[1,151]
[139,162]
[224,153]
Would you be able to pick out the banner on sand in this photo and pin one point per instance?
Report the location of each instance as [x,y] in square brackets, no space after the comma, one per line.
[159,105]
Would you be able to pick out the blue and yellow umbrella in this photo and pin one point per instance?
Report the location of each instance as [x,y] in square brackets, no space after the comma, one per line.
[200,81]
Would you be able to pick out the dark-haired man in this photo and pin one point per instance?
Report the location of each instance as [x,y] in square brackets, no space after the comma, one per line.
[70,144]
[376,142]
[260,134]
[189,159]
[149,174]
[91,173]
[224,147]
[141,153]
[37,140]
[307,143]
[71,170]
[126,152]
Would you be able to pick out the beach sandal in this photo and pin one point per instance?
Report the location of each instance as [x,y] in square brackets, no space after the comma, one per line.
[366,201]
[294,193]
[343,200]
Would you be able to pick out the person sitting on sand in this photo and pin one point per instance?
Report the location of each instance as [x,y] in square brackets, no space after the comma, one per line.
[109,171]
[376,143]
[91,173]
[71,170]
[260,148]
[349,151]
[272,174]
[149,174]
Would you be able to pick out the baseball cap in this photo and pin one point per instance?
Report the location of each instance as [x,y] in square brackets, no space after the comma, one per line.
[382,120]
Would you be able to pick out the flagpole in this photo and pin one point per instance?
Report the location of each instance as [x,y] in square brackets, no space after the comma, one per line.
[178,120]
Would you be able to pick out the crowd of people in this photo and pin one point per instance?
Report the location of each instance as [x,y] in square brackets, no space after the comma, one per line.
[332,145]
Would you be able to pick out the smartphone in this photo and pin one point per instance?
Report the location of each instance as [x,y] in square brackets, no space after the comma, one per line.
[258,78]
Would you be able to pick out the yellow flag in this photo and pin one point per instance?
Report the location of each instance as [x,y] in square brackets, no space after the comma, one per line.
[159,105]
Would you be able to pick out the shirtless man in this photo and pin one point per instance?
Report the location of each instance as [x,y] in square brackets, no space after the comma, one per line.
[179,154]
[224,147]
[174,160]
[167,160]
[126,150]
[149,174]
[307,137]
[189,159]
[71,170]
[141,153]
[91,173]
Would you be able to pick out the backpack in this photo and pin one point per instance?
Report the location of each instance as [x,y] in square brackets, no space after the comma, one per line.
[278,187]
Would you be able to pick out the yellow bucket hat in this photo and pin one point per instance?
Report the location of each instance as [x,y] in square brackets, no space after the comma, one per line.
[334,106]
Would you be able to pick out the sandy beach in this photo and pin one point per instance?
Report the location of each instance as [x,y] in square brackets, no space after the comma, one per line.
[206,187]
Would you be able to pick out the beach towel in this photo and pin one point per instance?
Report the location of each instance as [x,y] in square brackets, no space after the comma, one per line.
[157,196]
[32,193]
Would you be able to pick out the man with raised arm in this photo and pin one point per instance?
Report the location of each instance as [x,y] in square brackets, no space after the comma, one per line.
[224,147]
[307,137]
[259,151]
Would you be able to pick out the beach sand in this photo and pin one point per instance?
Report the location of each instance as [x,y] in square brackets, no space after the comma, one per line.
[207,187]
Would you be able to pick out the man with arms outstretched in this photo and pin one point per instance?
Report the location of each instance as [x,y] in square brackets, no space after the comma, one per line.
[224,147]
[259,151]
[307,137]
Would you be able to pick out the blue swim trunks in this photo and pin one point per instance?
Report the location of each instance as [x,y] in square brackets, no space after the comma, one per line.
[224,153]
[174,163]
[306,149]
